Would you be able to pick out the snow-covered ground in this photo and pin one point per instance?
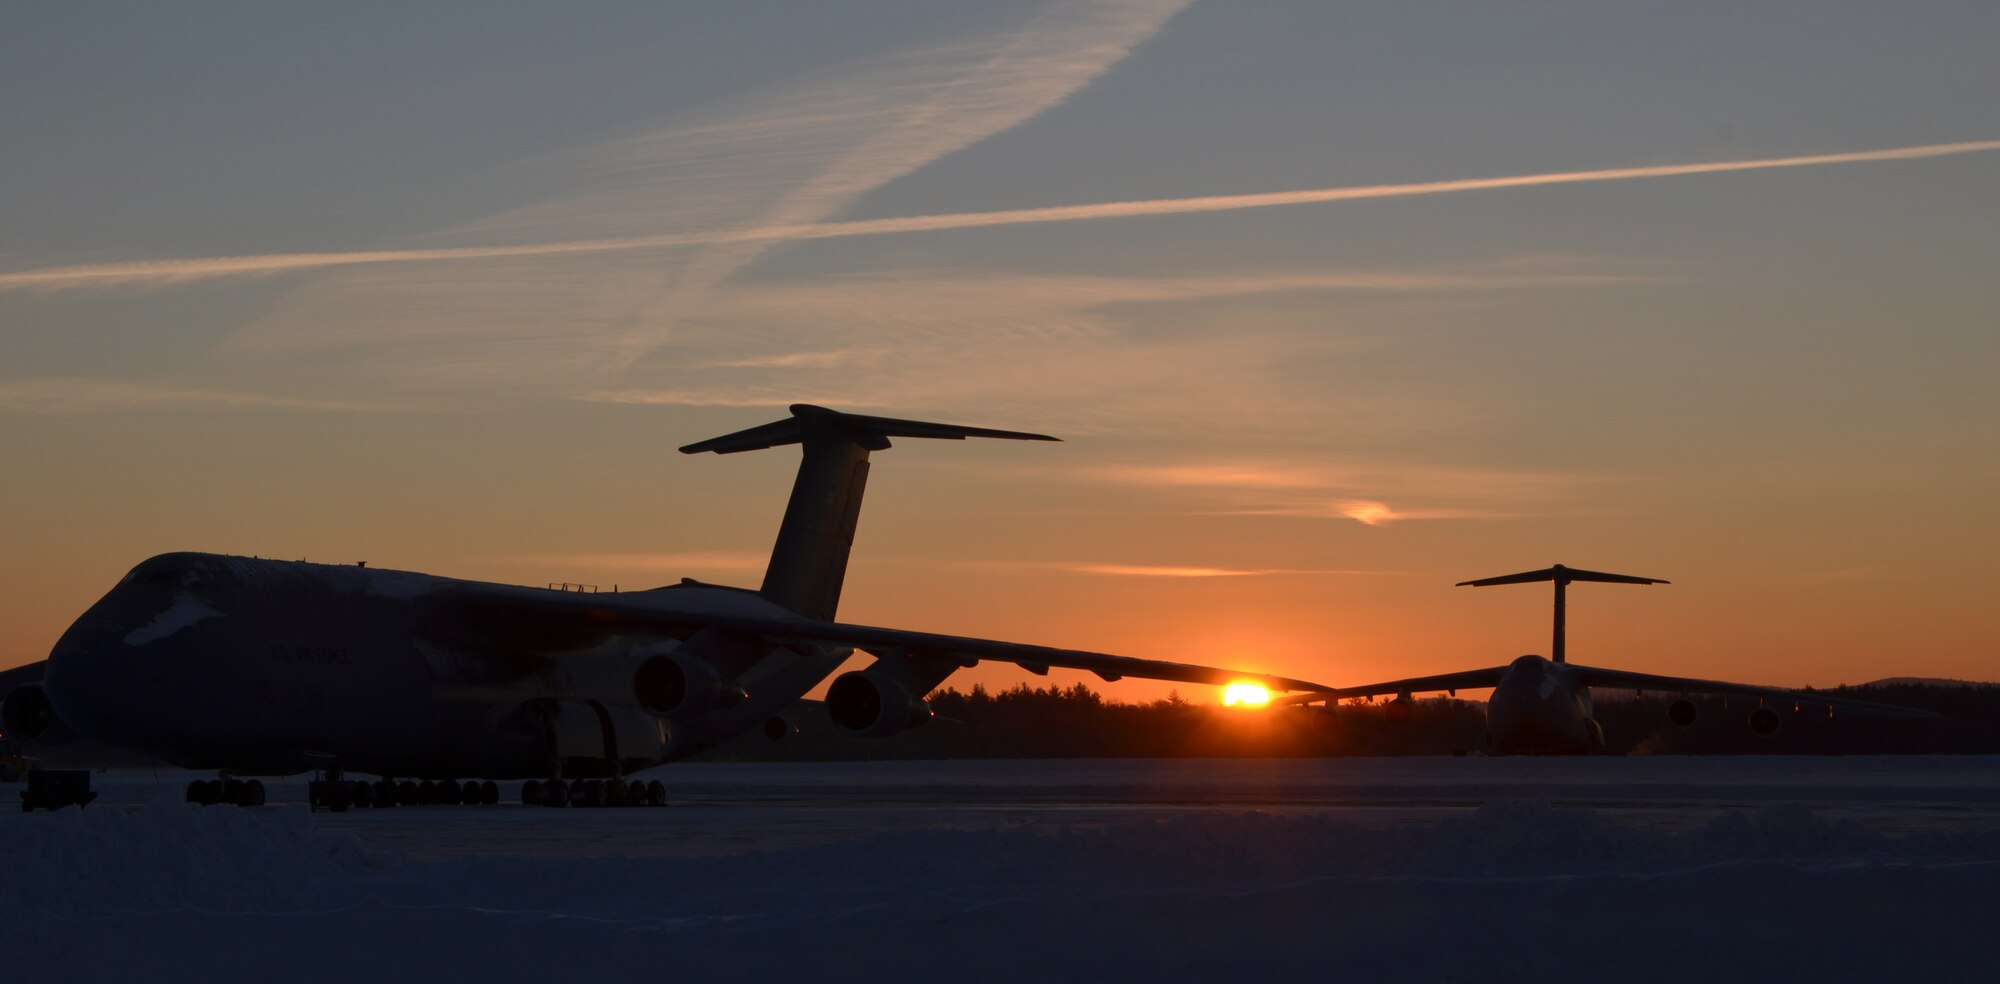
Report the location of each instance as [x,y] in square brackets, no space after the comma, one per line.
[1439,869]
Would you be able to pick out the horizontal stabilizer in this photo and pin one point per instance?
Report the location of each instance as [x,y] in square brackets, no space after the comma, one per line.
[1562,574]
[872,433]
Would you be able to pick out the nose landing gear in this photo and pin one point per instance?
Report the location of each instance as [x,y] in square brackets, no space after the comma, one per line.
[53,789]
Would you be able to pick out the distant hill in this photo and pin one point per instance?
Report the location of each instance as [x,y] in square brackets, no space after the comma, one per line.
[1922,682]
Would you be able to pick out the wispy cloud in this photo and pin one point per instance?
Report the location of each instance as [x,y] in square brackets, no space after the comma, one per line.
[1369,513]
[1157,570]
[648,563]
[1859,573]
[769,395]
[802,360]
[1086,354]
[1142,570]
[1372,513]
[677,563]
[830,195]
[563,296]
[1375,494]
[84,395]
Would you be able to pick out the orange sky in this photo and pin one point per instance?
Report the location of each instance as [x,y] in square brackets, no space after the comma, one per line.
[1002,540]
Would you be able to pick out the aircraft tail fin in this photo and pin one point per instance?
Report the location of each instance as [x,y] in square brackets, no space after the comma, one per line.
[809,560]
[1562,576]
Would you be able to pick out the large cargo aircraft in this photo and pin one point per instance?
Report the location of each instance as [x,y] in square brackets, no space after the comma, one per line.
[1543,706]
[254,667]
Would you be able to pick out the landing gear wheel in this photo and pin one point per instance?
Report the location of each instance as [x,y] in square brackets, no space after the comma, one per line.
[252,794]
[447,792]
[361,793]
[656,793]
[554,793]
[195,791]
[531,793]
[427,794]
[470,794]
[489,792]
[385,794]
[635,794]
[406,793]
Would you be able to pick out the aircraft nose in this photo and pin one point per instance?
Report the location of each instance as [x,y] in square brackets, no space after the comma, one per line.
[84,674]
[109,675]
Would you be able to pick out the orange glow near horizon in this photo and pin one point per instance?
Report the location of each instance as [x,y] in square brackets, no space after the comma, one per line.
[1245,695]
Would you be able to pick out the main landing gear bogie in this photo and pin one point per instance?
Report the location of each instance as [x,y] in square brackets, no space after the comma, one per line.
[341,795]
[334,793]
[233,792]
[593,792]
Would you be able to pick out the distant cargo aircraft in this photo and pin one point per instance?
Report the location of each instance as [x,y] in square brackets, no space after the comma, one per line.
[261,667]
[1543,706]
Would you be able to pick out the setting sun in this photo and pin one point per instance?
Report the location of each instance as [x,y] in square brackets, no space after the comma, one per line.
[1245,695]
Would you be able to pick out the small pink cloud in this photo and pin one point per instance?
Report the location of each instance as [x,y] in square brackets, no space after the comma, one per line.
[1371,513]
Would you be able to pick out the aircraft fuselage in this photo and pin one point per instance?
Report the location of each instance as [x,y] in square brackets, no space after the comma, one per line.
[1539,709]
[262,667]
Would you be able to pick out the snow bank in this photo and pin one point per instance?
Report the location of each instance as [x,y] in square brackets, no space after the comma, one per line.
[1515,890]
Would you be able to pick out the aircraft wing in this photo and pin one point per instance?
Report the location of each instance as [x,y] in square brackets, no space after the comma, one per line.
[1626,680]
[1449,682]
[29,673]
[1038,659]
[1590,676]
[755,618]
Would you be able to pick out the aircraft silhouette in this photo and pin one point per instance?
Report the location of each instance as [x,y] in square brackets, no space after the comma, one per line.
[262,667]
[1544,707]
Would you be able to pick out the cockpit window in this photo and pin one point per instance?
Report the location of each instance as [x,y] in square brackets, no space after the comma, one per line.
[164,574]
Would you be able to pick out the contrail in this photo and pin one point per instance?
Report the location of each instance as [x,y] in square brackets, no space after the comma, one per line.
[170,271]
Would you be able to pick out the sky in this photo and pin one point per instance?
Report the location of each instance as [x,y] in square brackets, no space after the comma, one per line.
[1333,305]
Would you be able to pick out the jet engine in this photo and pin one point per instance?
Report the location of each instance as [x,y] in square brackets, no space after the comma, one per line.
[1399,711]
[1325,720]
[26,714]
[1682,712]
[869,704]
[1764,722]
[778,727]
[677,684]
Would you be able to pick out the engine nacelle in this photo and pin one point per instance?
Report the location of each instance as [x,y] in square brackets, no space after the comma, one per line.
[676,684]
[1682,712]
[1764,722]
[869,704]
[27,715]
[779,727]
[1400,710]
[1325,720]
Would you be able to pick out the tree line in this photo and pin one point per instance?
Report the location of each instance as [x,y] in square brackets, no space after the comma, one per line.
[1078,722]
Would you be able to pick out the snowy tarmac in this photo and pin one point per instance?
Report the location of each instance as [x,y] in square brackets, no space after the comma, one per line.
[1640,869]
